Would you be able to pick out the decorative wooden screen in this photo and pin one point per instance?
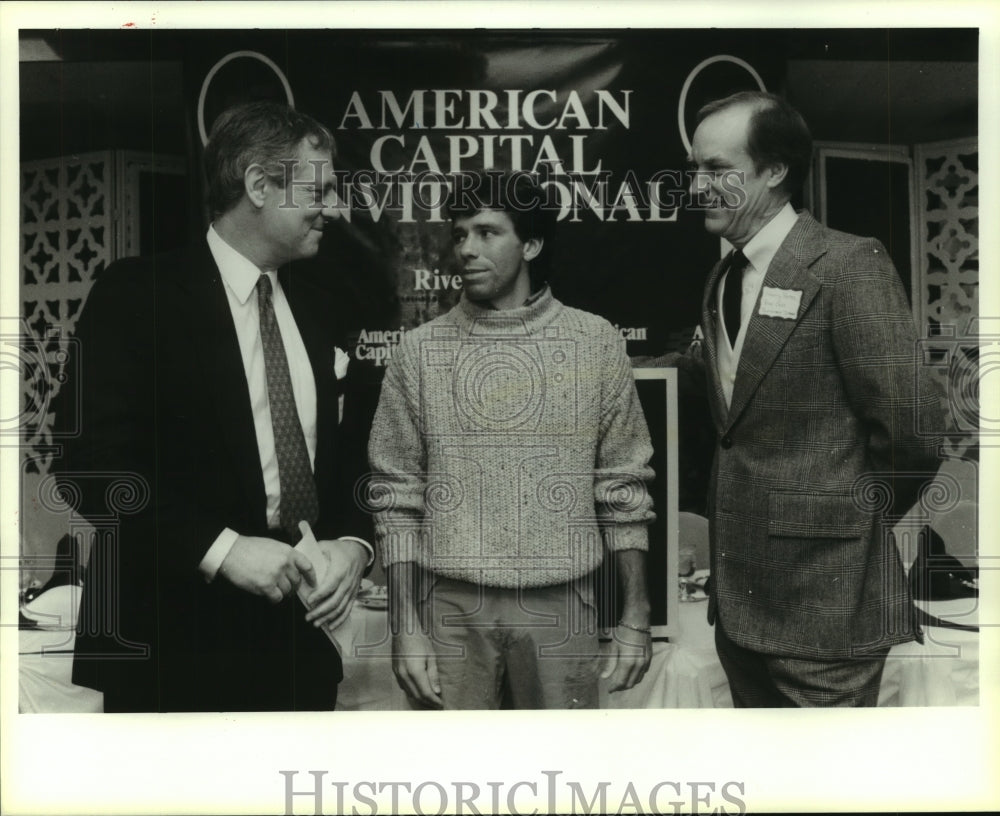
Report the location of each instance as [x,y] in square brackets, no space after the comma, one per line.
[948,229]
[77,215]
[67,221]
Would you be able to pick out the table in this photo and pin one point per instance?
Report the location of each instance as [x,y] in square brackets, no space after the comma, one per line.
[944,669]
[45,669]
[686,673]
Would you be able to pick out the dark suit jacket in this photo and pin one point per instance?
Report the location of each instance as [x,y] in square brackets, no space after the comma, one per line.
[821,443]
[164,403]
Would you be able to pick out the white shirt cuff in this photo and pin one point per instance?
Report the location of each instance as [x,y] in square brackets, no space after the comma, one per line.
[365,544]
[217,553]
[220,548]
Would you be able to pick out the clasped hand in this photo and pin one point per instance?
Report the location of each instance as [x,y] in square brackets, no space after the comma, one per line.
[272,569]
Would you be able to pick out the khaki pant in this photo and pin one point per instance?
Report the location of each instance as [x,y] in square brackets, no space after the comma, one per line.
[526,648]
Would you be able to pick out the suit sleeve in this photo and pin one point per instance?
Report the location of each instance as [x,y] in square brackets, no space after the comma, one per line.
[117,466]
[106,462]
[880,362]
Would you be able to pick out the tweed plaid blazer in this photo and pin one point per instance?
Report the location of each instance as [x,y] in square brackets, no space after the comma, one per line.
[822,444]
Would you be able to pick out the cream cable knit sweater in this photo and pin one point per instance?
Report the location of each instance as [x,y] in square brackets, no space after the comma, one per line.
[509,447]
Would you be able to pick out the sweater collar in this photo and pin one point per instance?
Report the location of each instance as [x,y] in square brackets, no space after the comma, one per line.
[538,308]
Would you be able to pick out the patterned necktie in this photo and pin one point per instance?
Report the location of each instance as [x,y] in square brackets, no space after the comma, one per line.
[732,298]
[298,489]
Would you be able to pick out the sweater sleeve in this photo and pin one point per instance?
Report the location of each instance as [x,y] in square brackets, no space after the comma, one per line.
[622,473]
[398,460]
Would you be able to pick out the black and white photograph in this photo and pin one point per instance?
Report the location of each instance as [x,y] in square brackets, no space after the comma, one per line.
[498,408]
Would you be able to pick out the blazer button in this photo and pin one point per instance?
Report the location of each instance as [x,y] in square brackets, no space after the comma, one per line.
[726,442]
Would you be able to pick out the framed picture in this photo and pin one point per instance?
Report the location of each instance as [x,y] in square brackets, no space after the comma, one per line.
[657,389]
[886,211]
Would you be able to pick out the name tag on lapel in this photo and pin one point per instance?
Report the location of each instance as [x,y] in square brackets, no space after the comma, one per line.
[783,303]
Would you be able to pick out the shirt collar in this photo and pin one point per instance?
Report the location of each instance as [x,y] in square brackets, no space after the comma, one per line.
[238,271]
[761,249]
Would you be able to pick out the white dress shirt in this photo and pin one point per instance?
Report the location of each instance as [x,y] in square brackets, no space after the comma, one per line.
[239,276]
[759,251]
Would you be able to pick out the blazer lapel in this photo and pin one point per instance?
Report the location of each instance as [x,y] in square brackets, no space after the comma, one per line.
[227,393]
[766,336]
[709,326]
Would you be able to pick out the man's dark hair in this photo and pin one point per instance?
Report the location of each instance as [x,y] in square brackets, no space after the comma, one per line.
[516,193]
[264,133]
[776,134]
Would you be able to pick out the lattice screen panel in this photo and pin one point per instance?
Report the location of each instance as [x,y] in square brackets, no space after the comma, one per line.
[67,223]
[948,184]
[948,216]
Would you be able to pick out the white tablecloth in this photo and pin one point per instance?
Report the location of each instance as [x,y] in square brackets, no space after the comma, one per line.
[686,673]
[45,666]
[944,669]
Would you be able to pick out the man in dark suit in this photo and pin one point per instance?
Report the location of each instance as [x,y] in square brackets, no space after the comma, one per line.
[209,424]
[810,355]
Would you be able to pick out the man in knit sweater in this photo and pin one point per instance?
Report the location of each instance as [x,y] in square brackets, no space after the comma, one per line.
[511,452]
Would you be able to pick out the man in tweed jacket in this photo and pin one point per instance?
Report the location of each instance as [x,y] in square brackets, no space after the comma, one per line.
[815,390]
[510,450]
